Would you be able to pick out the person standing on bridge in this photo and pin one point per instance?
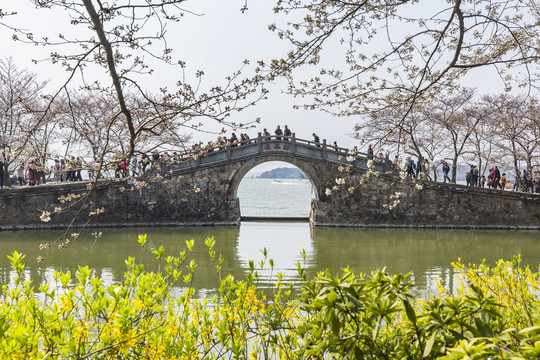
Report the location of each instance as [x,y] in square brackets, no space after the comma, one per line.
[233,140]
[316,140]
[134,162]
[503,181]
[78,165]
[474,175]
[410,167]
[20,174]
[497,178]
[515,186]
[370,152]
[278,133]
[267,137]
[287,132]
[445,170]
[287,136]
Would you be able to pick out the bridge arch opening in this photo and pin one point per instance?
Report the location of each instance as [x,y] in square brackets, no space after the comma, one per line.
[273,189]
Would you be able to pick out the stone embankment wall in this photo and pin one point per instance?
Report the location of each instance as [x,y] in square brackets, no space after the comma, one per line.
[435,205]
[178,200]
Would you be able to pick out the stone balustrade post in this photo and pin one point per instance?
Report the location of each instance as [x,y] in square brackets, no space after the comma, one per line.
[324,150]
[293,142]
[259,143]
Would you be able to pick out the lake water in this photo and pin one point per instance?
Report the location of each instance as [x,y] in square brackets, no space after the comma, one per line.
[275,198]
[427,254]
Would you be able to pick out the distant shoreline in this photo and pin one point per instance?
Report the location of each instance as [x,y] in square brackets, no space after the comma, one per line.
[283,173]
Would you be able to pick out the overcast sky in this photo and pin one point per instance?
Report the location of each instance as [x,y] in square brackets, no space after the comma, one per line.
[217,37]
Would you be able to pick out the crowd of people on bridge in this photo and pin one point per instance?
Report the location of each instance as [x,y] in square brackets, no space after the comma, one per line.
[71,169]
[222,142]
[493,179]
[35,170]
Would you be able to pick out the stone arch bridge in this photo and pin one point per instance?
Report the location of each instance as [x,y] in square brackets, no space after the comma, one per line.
[319,161]
[201,190]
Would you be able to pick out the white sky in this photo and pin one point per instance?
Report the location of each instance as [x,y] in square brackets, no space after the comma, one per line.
[217,42]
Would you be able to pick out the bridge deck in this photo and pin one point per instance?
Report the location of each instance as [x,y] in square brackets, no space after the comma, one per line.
[277,145]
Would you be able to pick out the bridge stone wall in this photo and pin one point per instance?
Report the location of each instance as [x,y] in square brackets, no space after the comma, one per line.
[171,201]
[435,205]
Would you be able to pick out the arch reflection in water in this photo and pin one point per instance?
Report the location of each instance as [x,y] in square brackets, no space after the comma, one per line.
[284,243]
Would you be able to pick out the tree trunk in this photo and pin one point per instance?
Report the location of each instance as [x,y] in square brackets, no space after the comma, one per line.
[529,164]
[7,180]
[98,28]
[516,170]
[454,169]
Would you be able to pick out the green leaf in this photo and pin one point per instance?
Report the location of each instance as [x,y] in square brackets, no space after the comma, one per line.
[358,354]
[375,332]
[429,345]
[410,311]
[477,291]
[142,239]
[334,323]
[529,330]
[354,301]
[457,335]
[159,252]
[483,328]
[209,242]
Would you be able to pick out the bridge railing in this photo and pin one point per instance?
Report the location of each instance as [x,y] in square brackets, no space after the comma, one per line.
[275,144]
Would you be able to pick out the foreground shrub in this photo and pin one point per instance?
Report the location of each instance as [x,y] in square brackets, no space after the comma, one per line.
[492,314]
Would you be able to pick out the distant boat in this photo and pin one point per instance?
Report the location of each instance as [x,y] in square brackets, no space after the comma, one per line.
[276,182]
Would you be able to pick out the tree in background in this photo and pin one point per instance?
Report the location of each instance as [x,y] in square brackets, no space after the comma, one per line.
[484,145]
[89,129]
[458,118]
[22,111]
[42,139]
[431,141]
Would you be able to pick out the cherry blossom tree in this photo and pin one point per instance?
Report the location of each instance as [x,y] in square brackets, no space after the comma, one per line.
[516,124]
[21,108]
[458,117]
[125,39]
[418,136]
[87,119]
[484,144]
[402,53]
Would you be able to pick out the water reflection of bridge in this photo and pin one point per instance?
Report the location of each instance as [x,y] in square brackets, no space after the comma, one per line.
[426,254]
